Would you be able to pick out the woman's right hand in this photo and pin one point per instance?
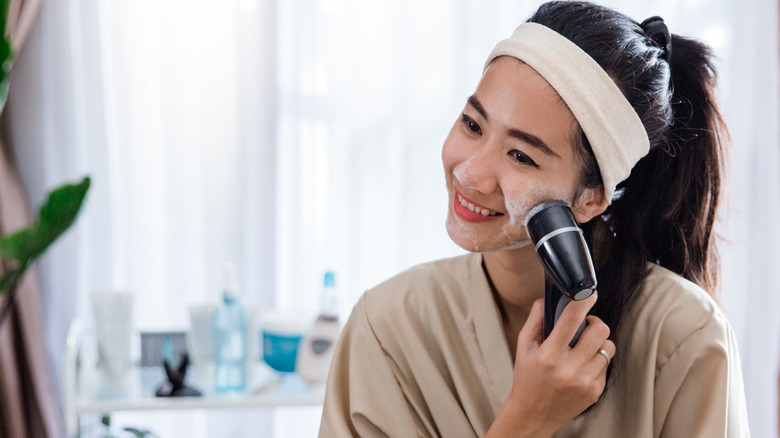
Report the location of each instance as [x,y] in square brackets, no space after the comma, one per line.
[553,382]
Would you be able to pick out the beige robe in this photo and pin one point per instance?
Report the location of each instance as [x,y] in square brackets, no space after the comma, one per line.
[424,354]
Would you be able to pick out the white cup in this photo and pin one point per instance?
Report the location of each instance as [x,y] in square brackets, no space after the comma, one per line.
[114,326]
[200,341]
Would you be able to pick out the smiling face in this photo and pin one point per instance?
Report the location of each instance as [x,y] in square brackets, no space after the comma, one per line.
[510,150]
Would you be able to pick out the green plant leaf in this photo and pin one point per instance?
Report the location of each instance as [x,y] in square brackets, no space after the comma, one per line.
[22,244]
[139,433]
[56,215]
[62,207]
[6,55]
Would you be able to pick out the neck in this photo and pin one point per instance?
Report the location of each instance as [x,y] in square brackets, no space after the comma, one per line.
[517,277]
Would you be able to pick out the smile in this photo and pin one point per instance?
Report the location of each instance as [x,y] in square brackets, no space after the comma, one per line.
[475,209]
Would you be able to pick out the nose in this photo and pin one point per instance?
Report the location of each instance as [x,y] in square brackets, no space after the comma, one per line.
[478,172]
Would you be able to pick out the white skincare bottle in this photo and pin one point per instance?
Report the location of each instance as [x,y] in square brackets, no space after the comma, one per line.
[230,336]
[316,349]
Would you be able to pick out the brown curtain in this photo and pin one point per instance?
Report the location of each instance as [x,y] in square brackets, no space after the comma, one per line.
[29,406]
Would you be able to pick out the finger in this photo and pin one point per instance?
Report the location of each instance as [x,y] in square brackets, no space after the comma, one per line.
[533,329]
[601,381]
[591,339]
[598,362]
[570,320]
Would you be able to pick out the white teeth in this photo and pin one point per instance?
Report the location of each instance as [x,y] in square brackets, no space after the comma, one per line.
[475,209]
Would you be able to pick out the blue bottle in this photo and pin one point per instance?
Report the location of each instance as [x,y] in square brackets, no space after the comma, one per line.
[230,337]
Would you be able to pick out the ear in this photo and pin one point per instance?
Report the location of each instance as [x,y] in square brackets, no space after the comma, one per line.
[589,204]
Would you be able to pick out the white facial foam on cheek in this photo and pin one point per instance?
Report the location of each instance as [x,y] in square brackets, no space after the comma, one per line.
[461,172]
[456,228]
[518,245]
[535,193]
[519,206]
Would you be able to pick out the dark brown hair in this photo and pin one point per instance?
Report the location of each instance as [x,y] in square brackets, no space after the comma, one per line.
[665,211]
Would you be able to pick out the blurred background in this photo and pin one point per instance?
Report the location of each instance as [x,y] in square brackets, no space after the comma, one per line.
[297,136]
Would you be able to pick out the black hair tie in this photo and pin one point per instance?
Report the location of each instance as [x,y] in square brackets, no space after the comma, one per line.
[656,30]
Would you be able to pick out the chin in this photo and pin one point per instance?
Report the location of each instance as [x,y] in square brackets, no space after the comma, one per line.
[468,239]
[459,234]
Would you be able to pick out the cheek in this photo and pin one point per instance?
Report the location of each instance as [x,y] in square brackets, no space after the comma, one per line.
[461,171]
[448,150]
[520,202]
[456,157]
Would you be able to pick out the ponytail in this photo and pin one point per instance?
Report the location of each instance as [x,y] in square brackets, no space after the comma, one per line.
[664,212]
[697,137]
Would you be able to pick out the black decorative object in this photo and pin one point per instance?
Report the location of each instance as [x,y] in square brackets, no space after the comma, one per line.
[175,386]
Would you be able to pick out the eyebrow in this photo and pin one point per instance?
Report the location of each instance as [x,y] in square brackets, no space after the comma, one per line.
[533,141]
[478,106]
[523,136]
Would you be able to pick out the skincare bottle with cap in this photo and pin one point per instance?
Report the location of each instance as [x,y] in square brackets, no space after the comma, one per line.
[230,336]
[316,349]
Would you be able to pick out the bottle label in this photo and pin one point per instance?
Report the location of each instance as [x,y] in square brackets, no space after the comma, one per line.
[319,346]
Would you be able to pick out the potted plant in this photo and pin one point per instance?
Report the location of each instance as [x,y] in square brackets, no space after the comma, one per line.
[19,250]
[22,248]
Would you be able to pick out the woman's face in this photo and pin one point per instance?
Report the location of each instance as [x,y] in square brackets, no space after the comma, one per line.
[510,150]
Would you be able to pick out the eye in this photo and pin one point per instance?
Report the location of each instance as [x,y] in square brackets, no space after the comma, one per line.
[522,158]
[470,124]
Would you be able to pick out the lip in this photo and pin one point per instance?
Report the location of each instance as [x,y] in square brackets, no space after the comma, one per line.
[467,214]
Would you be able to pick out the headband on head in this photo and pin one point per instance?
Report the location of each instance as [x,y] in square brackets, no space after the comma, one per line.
[613,128]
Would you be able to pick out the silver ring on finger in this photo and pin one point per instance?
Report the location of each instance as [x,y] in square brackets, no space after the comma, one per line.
[604,353]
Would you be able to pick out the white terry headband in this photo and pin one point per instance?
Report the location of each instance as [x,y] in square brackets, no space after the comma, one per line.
[613,128]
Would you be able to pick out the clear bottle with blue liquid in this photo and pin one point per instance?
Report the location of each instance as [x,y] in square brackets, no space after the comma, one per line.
[230,337]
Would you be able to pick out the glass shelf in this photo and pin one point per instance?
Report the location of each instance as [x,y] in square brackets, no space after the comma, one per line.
[137,393]
[86,389]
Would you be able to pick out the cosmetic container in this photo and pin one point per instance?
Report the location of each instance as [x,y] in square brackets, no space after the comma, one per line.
[316,350]
[114,328]
[230,337]
[282,335]
[200,339]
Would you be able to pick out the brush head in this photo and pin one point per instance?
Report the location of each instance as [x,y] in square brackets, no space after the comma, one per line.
[562,249]
[544,206]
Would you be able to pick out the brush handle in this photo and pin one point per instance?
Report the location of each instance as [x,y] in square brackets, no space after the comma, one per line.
[554,303]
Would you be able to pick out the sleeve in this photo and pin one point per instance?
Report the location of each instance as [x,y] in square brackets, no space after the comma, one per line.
[700,387]
[363,397]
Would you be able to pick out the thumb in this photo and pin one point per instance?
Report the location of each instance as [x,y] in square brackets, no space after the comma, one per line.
[533,329]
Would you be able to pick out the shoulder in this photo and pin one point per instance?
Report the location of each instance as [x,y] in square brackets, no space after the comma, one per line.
[671,311]
[423,296]
[667,291]
[676,360]
[427,283]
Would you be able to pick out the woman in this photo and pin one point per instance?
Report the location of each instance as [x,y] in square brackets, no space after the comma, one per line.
[617,119]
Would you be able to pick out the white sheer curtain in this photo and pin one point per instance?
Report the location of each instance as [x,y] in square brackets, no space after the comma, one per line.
[166,106]
[296,136]
[374,86]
